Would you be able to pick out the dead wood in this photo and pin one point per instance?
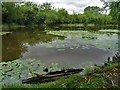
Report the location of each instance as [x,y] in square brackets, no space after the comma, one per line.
[51,76]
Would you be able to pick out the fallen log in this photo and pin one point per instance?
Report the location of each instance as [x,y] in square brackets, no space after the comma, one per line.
[51,76]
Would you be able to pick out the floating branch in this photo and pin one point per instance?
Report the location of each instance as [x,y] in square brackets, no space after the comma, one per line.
[51,76]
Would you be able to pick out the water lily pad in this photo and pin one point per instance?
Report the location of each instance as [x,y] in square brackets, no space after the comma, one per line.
[75,39]
[61,49]
[14,71]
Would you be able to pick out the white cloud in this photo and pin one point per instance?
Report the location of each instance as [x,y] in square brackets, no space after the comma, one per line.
[77,6]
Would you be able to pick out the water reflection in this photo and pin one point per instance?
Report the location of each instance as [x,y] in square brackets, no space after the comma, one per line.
[12,48]
[68,48]
[79,27]
[15,44]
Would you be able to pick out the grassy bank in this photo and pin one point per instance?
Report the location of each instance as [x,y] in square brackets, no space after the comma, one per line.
[102,76]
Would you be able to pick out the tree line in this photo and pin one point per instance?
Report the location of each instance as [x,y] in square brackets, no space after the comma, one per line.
[29,13]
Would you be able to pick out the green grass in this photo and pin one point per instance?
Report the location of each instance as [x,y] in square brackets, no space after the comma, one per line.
[102,69]
[74,81]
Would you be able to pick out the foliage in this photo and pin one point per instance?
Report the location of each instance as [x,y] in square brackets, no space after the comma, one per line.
[9,12]
[13,72]
[114,8]
[30,14]
[45,6]
[40,18]
[92,10]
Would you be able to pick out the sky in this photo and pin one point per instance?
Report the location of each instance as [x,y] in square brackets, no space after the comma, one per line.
[76,6]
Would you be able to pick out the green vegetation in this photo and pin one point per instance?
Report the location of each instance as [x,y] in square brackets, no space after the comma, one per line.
[76,81]
[99,77]
[4,33]
[31,14]
[83,39]
[115,8]
[15,14]
[12,71]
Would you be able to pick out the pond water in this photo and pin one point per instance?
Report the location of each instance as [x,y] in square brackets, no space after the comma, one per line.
[68,48]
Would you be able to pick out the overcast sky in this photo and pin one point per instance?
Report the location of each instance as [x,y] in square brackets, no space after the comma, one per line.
[77,6]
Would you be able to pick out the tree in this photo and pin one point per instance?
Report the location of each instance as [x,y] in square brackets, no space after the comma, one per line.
[62,15]
[114,8]
[51,17]
[29,11]
[73,18]
[40,18]
[82,18]
[92,10]
[45,6]
[94,16]
[115,11]
[9,12]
